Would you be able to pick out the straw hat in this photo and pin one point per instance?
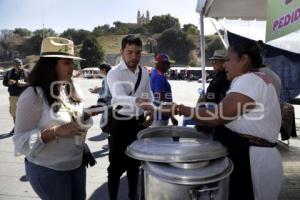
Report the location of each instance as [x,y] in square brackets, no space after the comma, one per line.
[58,47]
[218,55]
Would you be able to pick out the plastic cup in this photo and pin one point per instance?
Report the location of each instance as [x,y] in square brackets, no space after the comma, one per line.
[80,139]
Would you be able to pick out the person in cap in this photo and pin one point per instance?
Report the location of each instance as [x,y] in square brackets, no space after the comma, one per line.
[15,80]
[51,125]
[161,88]
[130,88]
[219,85]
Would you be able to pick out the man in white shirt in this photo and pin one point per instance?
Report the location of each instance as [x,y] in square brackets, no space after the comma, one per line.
[130,87]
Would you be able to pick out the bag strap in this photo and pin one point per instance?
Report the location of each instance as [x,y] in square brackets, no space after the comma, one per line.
[138,81]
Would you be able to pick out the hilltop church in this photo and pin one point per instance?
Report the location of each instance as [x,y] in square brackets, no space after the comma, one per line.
[141,19]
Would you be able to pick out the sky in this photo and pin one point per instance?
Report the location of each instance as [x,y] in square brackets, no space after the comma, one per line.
[87,14]
[63,14]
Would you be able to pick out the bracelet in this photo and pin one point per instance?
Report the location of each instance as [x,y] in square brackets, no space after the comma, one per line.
[55,135]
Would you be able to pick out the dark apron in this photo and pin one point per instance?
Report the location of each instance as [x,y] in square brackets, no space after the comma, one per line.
[240,187]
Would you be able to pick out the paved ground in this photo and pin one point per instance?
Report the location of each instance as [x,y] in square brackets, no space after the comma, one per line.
[13,184]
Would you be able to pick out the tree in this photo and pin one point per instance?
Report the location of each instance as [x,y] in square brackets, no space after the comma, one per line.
[11,44]
[91,52]
[77,36]
[176,43]
[36,39]
[190,29]
[159,24]
[22,32]
[212,42]
[102,30]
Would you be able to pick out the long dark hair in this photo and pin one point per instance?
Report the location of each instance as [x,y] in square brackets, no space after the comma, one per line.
[252,49]
[44,74]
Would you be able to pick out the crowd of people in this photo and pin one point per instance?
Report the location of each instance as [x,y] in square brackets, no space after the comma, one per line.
[51,123]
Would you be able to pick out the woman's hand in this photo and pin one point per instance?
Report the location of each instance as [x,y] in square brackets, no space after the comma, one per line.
[70,129]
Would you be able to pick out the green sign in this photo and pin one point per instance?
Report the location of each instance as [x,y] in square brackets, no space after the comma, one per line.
[283,17]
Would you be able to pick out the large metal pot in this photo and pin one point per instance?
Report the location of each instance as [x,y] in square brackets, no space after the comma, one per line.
[202,180]
[181,163]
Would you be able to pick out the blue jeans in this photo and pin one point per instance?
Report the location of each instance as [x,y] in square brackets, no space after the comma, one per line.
[57,185]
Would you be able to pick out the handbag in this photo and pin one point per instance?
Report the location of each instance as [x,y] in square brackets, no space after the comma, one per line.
[88,158]
[107,128]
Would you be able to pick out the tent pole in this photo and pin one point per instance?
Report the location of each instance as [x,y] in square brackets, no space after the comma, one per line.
[220,36]
[202,46]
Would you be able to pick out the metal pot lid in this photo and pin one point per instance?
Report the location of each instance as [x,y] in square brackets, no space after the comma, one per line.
[215,171]
[169,149]
[170,131]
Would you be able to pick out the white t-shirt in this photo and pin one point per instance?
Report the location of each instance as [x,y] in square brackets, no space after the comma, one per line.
[266,164]
[265,120]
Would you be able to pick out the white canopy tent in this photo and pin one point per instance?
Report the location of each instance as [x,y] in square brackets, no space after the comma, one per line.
[232,9]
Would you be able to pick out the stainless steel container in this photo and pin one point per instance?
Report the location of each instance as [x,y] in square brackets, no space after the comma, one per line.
[181,163]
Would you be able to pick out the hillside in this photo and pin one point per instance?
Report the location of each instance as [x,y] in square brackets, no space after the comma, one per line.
[112,43]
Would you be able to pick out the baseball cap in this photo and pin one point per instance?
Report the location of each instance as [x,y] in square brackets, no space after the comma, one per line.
[162,57]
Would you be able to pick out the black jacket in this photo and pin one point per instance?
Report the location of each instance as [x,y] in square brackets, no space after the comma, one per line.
[15,90]
[217,88]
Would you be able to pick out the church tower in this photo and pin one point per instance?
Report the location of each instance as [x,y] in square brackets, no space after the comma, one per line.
[147,17]
[142,19]
[138,17]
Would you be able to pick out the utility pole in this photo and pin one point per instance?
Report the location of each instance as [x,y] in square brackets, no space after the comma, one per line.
[43,32]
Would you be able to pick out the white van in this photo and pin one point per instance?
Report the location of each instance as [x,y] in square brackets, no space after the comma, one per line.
[90,72]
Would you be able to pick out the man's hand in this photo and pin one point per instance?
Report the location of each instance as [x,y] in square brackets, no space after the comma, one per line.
[22,83]
[167,109]
[11,82]
[95,90]
[149,116]
[145,104]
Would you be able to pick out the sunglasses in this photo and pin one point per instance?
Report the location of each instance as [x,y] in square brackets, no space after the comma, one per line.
[215,61]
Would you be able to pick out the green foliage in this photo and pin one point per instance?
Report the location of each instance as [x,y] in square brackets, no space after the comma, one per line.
[212,42]
[36,39]
[22,32]
[102,30]
[111,43]
[77,36]
[159,24]
[176,43]
[91,52]
[190,29]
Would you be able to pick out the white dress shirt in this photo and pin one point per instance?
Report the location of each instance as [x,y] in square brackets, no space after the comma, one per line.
[121,82]
[33,116]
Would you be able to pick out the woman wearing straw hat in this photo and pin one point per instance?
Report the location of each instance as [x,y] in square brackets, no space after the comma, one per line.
[51,125]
